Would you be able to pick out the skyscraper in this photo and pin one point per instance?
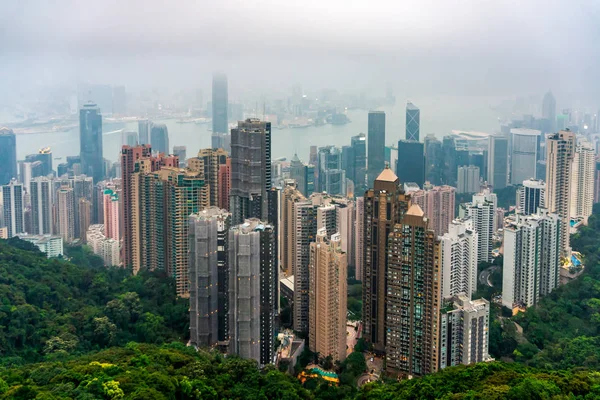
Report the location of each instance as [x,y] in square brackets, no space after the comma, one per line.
[180,153]
[524,154]
[111,214]
[42,204]
[328,293]
[434,160]
[582,186]
[497,162]
[413,297]
[384,206]
[531,258]
[531,196]
[438,205]
[376,145]
[253,291]
[224,181]
[413,122]
[159,137]
[65,201]
[359,245]
[560,153]
[12,202]
[209,276]
[8,155]
[468,179]
[84,217]
[482,210]
[250,170]
[220,103]
[331,176]
[213,159]
[290,195]
[411,162]
[90,140]
[549,111]
[144,127]
[44,156]
[459,258]
[359,162]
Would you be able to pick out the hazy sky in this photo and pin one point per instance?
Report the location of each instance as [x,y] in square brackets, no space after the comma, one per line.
[481,47]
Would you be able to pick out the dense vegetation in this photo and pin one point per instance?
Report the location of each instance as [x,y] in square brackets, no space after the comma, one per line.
[51,308]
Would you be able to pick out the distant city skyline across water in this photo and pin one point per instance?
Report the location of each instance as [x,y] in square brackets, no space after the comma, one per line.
[439,115]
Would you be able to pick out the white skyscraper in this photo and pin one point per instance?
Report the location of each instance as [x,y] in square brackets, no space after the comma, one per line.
[531,258]
[42,203]
[482,211]
[12,202]
[459,258]
[582,187]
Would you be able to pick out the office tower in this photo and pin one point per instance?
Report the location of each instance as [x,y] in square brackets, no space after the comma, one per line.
[437,203]
[90,140]
[560,153]
[180,153]
[144,127]
[253,293]
[358,162]
[410,166]
[159,137]
[112,220]
[497,164]
[42,204]
[531,258]
[312,158]
[220,103]
[83,187]
[524,154]
[44,156]
[359,245]
[84,208]
[384,206]
[549,110]
[413,296]
[213,159]
[129,156]
[209,276]
[464,331]
[303,174]
[224,181]
[376,145]
[129,138]
[482,210]
[582,186]
[459,258]
[597,182]
[413,122]
[65,202]
[328,271]
[331,176]
[434,160]
[12,202]
[468,179]
[531,196]
[250,169]
[8,155]
[449,174]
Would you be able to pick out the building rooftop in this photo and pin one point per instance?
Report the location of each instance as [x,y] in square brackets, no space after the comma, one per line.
[415,210]
[387,175]
[525,132]
[411,106]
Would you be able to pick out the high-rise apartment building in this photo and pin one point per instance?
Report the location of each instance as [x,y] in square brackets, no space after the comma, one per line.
[213,159]
[497,164]
[413,297]
[438,204]
[468,179]
[84,218]
[331,176]
[359,245]
[383,208]
[459,258]
[328,295]
[524,154]
[83,188]
[90,140]
[464,331]
[65,206]
[410,166]
[582,186]
[220,103]
[209,276]
[159,137]
[253,293]
[250,170]
[108,249]
[531,196]
[112,217]
[549,111]
[560,153]
[8,155]
[224,182]
[304,175]
[413,122]
[482,211]
[12,203]
[531,258]
[42,205]
[597,182]
[290,195]
[376,145]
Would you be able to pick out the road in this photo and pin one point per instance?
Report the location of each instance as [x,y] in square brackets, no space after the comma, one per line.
[374,369]
[484,276]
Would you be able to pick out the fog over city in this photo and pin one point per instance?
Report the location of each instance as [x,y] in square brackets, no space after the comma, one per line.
[430,47]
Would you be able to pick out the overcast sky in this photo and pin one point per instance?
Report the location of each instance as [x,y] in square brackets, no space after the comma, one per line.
[478,47]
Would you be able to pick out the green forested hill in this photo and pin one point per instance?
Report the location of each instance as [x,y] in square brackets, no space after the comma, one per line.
[51,308]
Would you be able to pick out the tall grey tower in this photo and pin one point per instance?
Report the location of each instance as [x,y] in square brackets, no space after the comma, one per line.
[220,103]
[549,110]
[413,121]
[8,156]
[90,141]
[375,145]
[250,170]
